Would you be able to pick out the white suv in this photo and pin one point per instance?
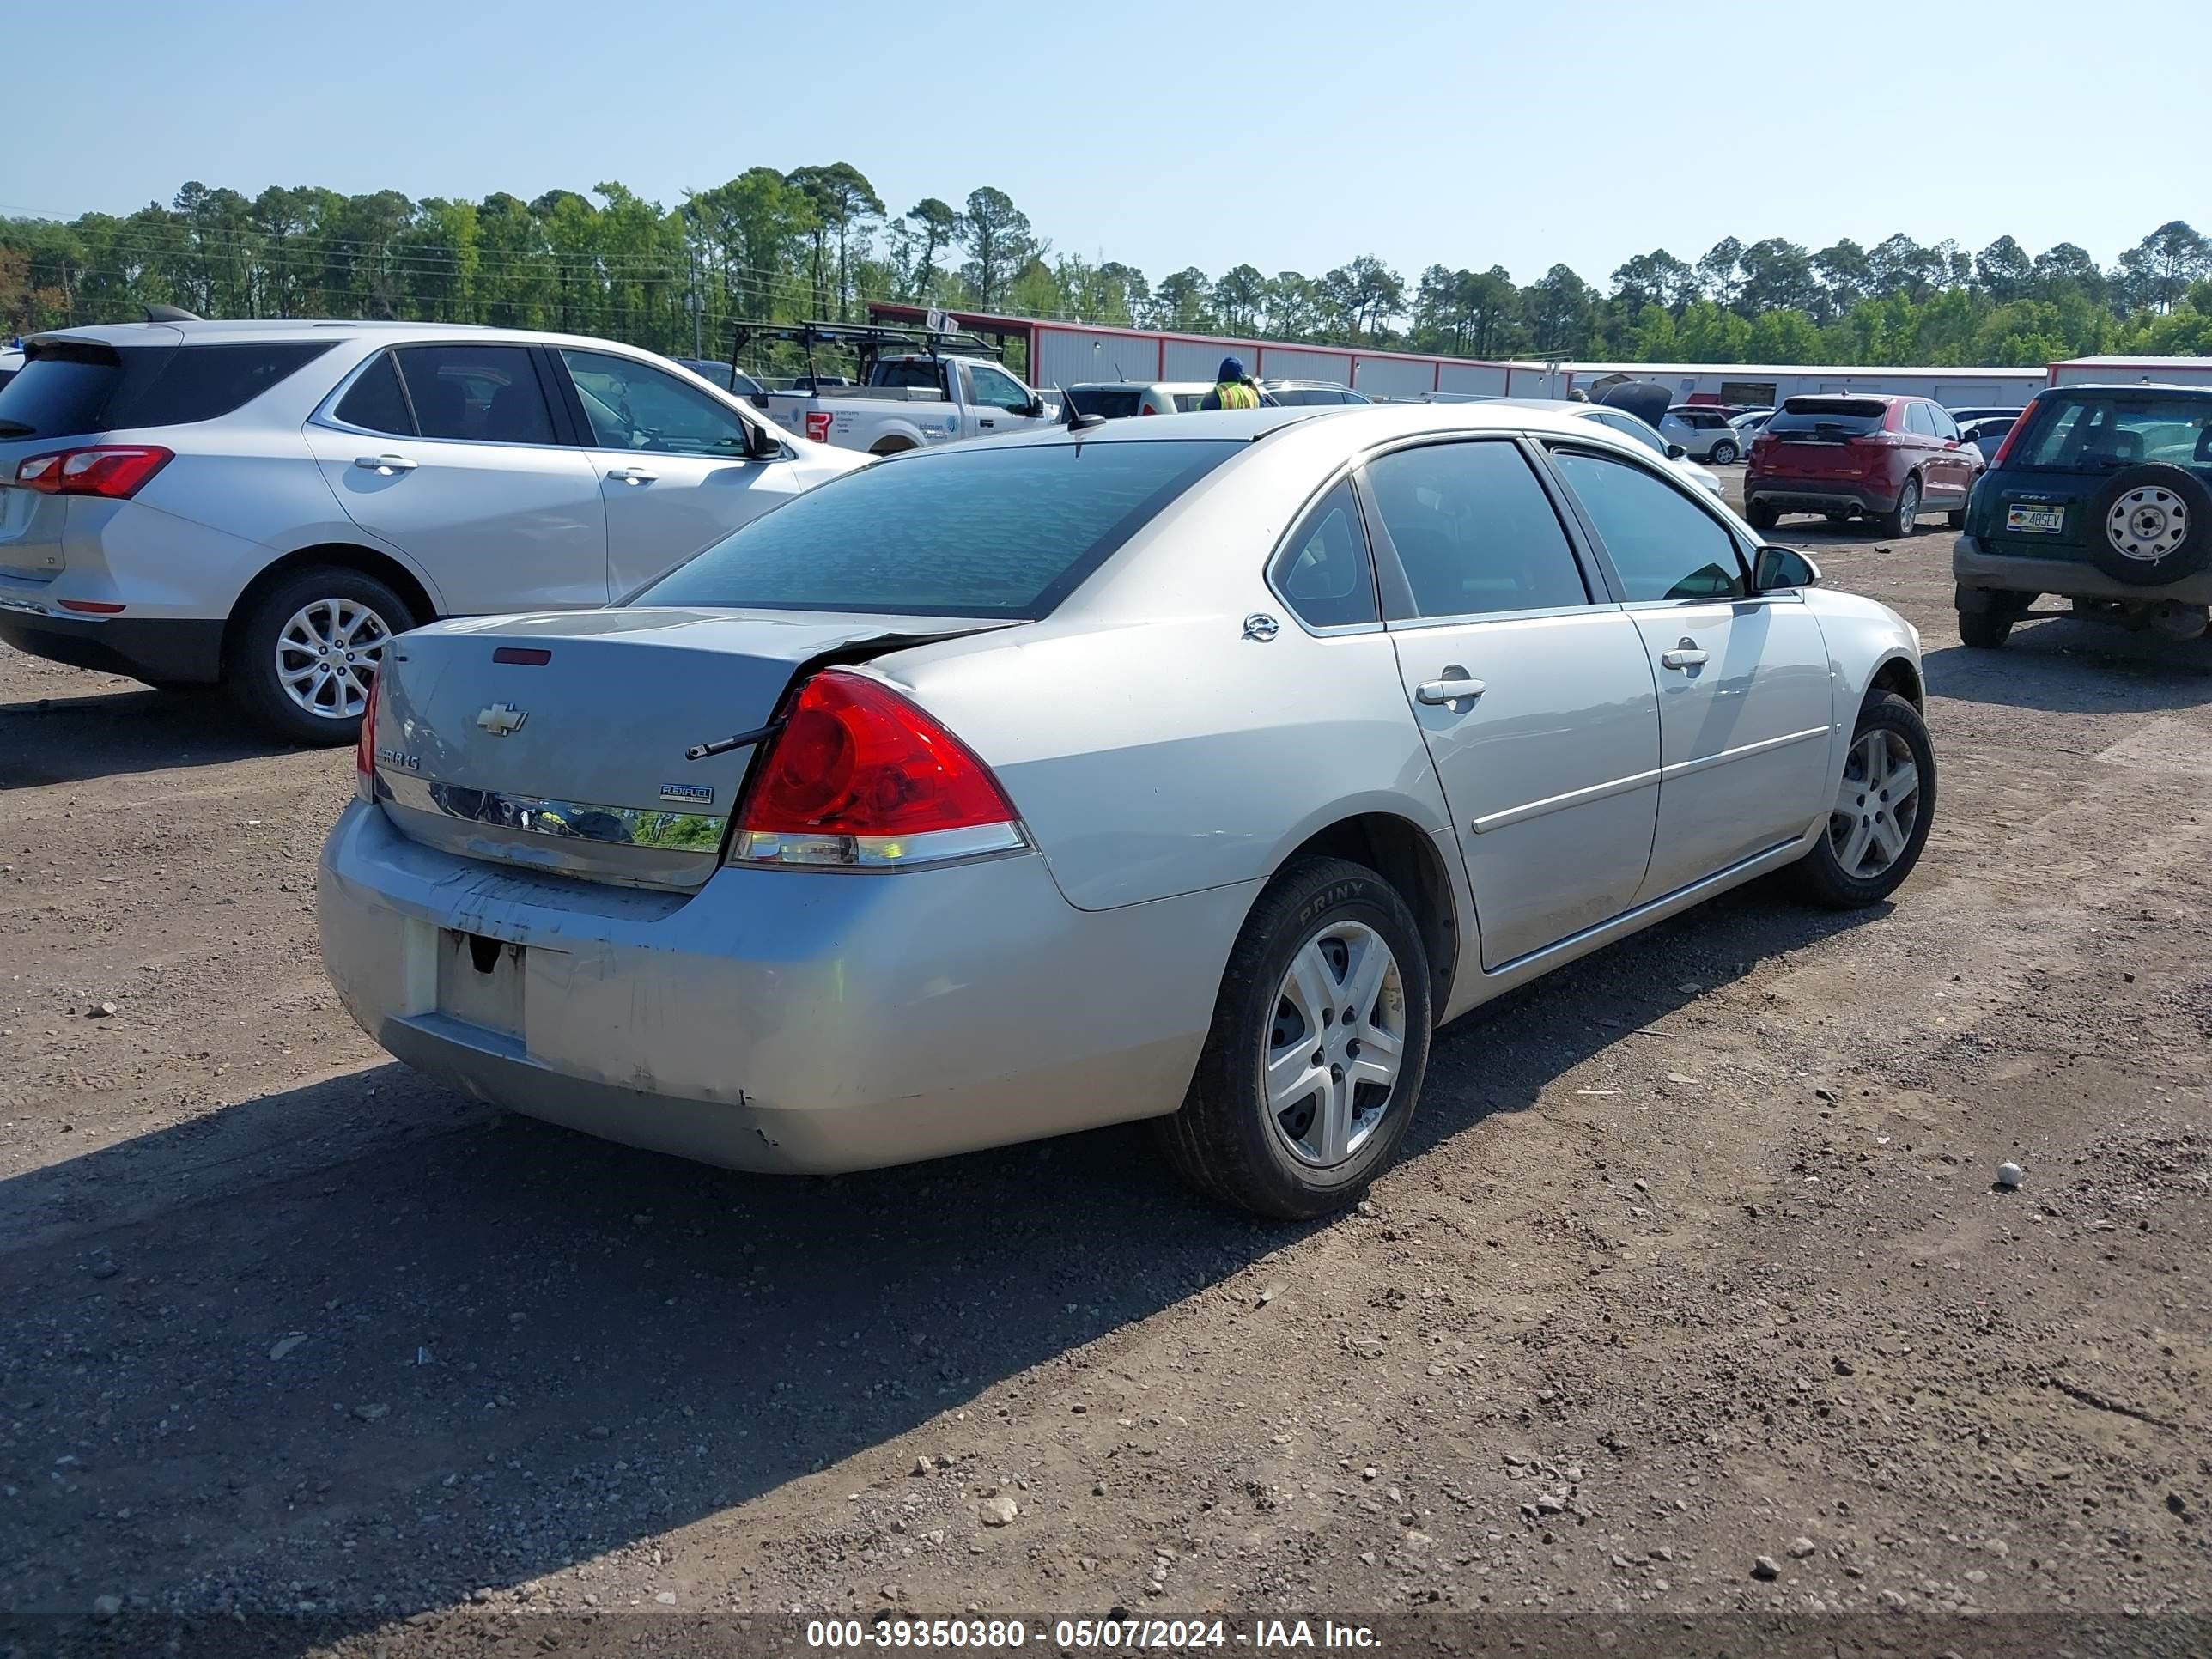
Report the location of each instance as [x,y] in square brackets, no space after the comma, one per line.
[266,504]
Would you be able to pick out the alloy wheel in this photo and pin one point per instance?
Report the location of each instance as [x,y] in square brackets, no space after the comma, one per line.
[1877,805]
[1335,1045]
[326,653]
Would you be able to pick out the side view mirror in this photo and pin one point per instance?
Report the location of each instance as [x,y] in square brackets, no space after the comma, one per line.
[1676,451]
[1780,568]
[1034,409]
[760,444]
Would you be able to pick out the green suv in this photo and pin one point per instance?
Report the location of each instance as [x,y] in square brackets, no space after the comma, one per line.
[2101,494]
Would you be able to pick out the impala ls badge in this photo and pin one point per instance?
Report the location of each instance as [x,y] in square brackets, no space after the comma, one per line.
[1260,626]
[502,718]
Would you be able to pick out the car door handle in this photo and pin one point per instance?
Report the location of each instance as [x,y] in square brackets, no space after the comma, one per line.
[632,475]
[1436,693]
[1684,655]
[980,422]
[387,464]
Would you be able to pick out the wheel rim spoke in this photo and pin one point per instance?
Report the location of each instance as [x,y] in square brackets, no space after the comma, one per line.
[1292,1077]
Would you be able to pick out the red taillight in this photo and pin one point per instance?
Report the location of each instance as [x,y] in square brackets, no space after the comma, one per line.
[860,775]
[1149,409]
[2011,437]
[817,424]
[364,748]
[115,470]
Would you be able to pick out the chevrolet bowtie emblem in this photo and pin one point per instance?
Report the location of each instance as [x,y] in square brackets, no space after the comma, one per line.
[501,719]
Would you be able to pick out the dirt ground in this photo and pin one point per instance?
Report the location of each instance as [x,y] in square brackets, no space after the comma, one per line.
[1695,1258]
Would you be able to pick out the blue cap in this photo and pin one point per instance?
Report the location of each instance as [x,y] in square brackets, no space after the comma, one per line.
[1232,368]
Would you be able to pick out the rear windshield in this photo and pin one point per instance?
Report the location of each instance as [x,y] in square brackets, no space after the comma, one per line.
[952,532]
[920,372]
[61,393]
[1114,402]
[2073,433]
[1841,417]
[71,388]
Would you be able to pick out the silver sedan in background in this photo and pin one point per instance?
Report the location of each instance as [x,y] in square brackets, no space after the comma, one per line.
[1192,769]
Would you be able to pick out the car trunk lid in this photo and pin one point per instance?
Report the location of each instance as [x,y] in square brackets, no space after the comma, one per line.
[563,741]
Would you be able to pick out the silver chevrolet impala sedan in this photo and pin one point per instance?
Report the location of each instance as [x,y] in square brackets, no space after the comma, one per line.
[1192,770]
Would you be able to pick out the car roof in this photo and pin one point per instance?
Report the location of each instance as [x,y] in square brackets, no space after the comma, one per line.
[243,332]
[1363,424]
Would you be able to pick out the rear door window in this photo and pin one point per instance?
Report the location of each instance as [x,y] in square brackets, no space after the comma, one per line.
[1324,572]
[1916,420]
[1473,530]
[1664,544]
[479,393]
[958,531]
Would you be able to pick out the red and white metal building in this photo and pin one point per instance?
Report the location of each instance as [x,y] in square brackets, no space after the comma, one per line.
[1070,354]
[2132,371]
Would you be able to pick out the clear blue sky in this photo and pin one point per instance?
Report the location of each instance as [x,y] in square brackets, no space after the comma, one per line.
[1293,134]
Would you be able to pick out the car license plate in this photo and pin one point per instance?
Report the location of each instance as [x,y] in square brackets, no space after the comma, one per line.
[2042,520]
[480,982]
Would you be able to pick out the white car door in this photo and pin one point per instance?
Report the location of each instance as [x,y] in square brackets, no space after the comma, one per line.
[1745,701]
[672,461]
[1549,757]
[449,453]
[998,400]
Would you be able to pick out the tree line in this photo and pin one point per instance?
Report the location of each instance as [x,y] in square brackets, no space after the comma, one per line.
[819,241]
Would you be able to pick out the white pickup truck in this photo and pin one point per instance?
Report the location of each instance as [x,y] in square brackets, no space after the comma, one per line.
[948,389]
[911,401]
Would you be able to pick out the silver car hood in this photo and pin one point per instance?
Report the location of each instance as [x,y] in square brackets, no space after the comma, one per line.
[559,740]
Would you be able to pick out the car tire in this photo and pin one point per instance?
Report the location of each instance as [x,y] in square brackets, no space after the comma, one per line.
[1722,454]
[1899,520]
[1986,630]
[1269,1153]
[1762,516]
[1852,867]
[318,613]
[2134,495]
[1956,518]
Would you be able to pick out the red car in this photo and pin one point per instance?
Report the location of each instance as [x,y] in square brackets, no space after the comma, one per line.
[1860,455]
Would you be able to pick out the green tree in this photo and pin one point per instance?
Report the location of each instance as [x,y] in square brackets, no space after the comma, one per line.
[996,234]
[1181,300]
[2003,270]
[1238,297]
[1653,278]
[935,225]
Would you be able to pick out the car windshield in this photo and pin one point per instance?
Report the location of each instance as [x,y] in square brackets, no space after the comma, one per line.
[985,531]
[2099,431]
[1840,417]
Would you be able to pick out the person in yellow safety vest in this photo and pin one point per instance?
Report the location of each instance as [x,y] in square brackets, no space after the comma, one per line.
[1232,389]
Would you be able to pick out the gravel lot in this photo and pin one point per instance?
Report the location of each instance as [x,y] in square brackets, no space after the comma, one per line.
[1692,1296]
